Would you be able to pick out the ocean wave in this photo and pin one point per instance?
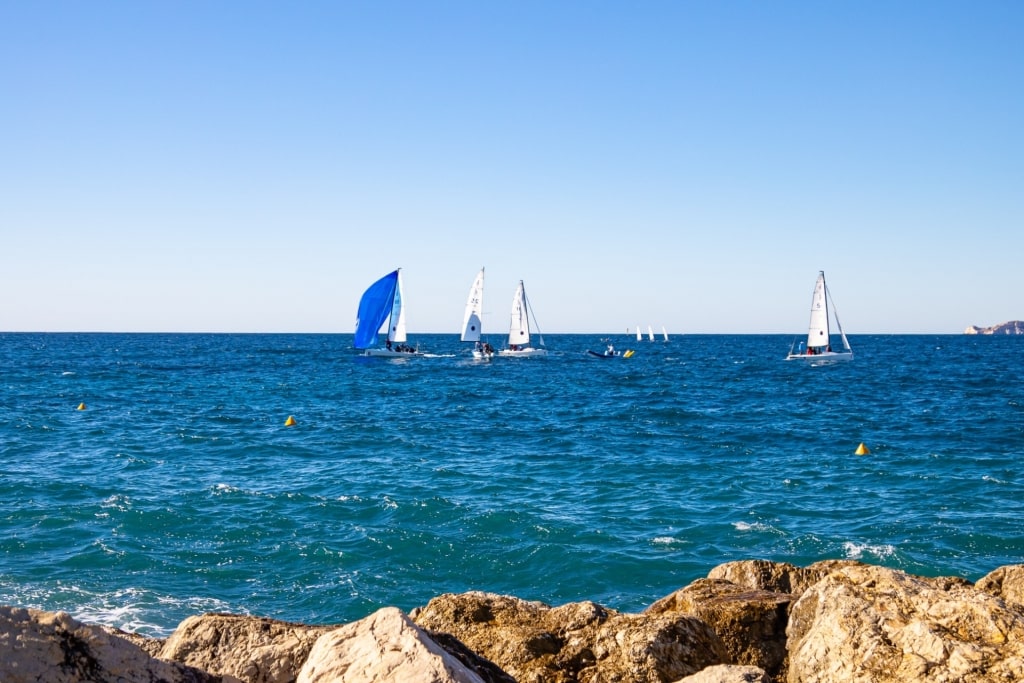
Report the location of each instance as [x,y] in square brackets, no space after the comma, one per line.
[134,609]
[857,551]
[755,526]
[666,540]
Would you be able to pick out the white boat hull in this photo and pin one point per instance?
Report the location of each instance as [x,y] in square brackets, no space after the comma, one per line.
[523,353]
[388,353]
[819,357]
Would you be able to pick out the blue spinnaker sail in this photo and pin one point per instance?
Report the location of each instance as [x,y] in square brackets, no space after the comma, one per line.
[374,309]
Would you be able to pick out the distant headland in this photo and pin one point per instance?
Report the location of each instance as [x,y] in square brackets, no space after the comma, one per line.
[1012,327]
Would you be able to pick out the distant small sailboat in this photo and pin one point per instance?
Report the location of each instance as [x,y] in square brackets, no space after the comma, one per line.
[472,323]
[519,329]
[664,333]
[382,301]
[650,333]
[819,343]
[639,335]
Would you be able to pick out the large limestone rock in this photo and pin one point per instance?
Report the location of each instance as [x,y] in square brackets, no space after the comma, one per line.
[584,642]
[871,624]
[261,650]
[777,577]
[252,649]
[52,647]
[1006,583]
[385,646]
[152,646]
[751,623]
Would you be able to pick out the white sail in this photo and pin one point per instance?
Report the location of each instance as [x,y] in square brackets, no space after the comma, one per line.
[396,332]
[519,328]
[817,332]
[472,323]
[650,333]
[664,333]
[639,336]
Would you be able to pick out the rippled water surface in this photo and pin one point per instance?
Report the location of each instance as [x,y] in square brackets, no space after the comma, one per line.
[179,489]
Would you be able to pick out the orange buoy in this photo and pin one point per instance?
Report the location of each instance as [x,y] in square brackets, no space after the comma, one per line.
[81,406]
[862,450]
[290,422]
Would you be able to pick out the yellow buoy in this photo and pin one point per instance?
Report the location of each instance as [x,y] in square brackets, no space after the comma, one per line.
[862,450]
[290,422]
[628,353]
[81,406]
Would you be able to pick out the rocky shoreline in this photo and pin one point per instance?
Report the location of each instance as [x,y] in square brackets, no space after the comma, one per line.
[769,622]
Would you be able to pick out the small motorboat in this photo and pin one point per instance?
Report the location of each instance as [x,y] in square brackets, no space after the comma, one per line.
[610,352]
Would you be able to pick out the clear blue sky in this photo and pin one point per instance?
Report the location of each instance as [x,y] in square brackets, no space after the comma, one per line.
[253,166]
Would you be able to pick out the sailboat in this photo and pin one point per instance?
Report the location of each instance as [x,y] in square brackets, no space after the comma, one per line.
[472,323]
[819,340]
[639,335]
[519,329]
[664,333]
[650,333]
[382,301]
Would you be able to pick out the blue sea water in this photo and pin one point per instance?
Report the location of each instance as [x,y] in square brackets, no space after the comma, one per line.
[179,489]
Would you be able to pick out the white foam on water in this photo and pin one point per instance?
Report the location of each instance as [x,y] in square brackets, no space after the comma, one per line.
[856,551]
[755,526]
[135,610]
[665,540]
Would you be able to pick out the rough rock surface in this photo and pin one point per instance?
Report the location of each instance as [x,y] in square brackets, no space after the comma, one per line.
[52,647]
[750,622]
[866,623]
[385,646]
[252,649]
[584,642]
[1006,583]
[152,646]
[1011,327]
[777,577]
[728,673]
